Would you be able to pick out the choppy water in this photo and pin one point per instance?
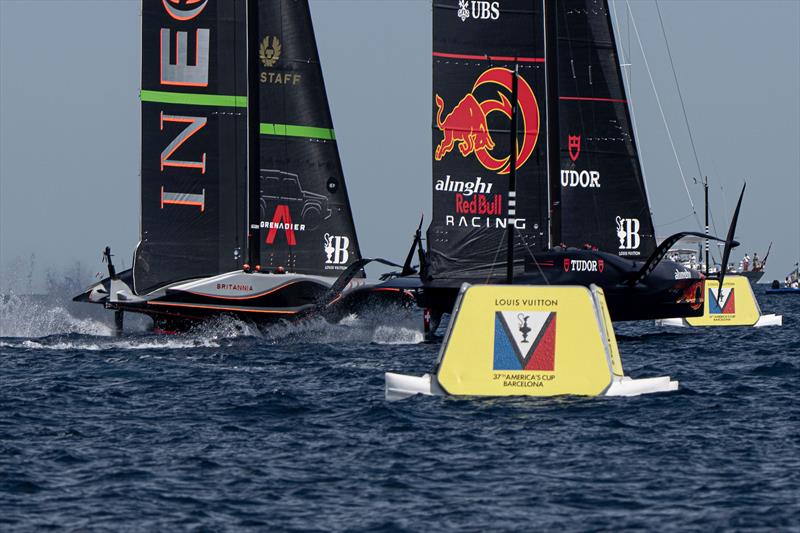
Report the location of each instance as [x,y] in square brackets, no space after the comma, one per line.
[227,429]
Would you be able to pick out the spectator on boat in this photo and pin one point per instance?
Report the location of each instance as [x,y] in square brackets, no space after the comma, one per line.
[756,262]
[746,263]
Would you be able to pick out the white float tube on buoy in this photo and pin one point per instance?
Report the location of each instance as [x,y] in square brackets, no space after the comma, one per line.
[528,340]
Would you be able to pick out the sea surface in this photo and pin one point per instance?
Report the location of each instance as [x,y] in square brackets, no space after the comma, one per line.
[229,429]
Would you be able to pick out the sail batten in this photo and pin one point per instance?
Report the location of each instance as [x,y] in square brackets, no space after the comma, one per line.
[487,57]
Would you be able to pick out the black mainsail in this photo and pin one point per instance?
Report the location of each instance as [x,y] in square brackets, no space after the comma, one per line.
[596,197]
[306,224]
[603,197]
[475,54]
[193,166]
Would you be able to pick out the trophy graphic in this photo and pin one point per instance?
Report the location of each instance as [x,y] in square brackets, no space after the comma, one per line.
[523,326]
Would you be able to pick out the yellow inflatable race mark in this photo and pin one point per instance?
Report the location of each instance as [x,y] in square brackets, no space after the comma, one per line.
[608,331]
[733,305]
[511,340]
[508,340]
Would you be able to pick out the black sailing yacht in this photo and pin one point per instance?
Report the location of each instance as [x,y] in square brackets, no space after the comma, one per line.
[536,177]
[244,208]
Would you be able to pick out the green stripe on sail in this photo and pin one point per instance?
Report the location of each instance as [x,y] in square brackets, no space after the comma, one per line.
[214,100]
[218,100]
[288,130]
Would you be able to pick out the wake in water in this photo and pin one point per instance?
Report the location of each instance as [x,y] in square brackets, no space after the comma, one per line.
[352,329]
[34,317]
[39,323]
[53,321]
[94,344]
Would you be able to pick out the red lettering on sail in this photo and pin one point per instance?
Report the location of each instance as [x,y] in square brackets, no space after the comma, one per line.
[187,11]
[195,124]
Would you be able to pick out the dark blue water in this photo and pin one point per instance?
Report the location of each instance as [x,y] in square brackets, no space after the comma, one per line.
[225,430]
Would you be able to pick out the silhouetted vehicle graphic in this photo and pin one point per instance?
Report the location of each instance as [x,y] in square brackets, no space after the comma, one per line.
[278,187]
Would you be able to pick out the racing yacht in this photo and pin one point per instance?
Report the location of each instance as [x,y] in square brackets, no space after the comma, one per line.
[536,174]
[244,208]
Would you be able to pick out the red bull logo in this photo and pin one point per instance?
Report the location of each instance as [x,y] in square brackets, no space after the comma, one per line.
[467,124]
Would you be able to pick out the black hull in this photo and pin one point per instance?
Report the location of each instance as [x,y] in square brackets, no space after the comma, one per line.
[262,300]
[173,317]
[624,303]
[670,291]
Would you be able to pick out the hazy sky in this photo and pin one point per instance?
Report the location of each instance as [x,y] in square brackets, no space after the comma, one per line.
[69,120]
